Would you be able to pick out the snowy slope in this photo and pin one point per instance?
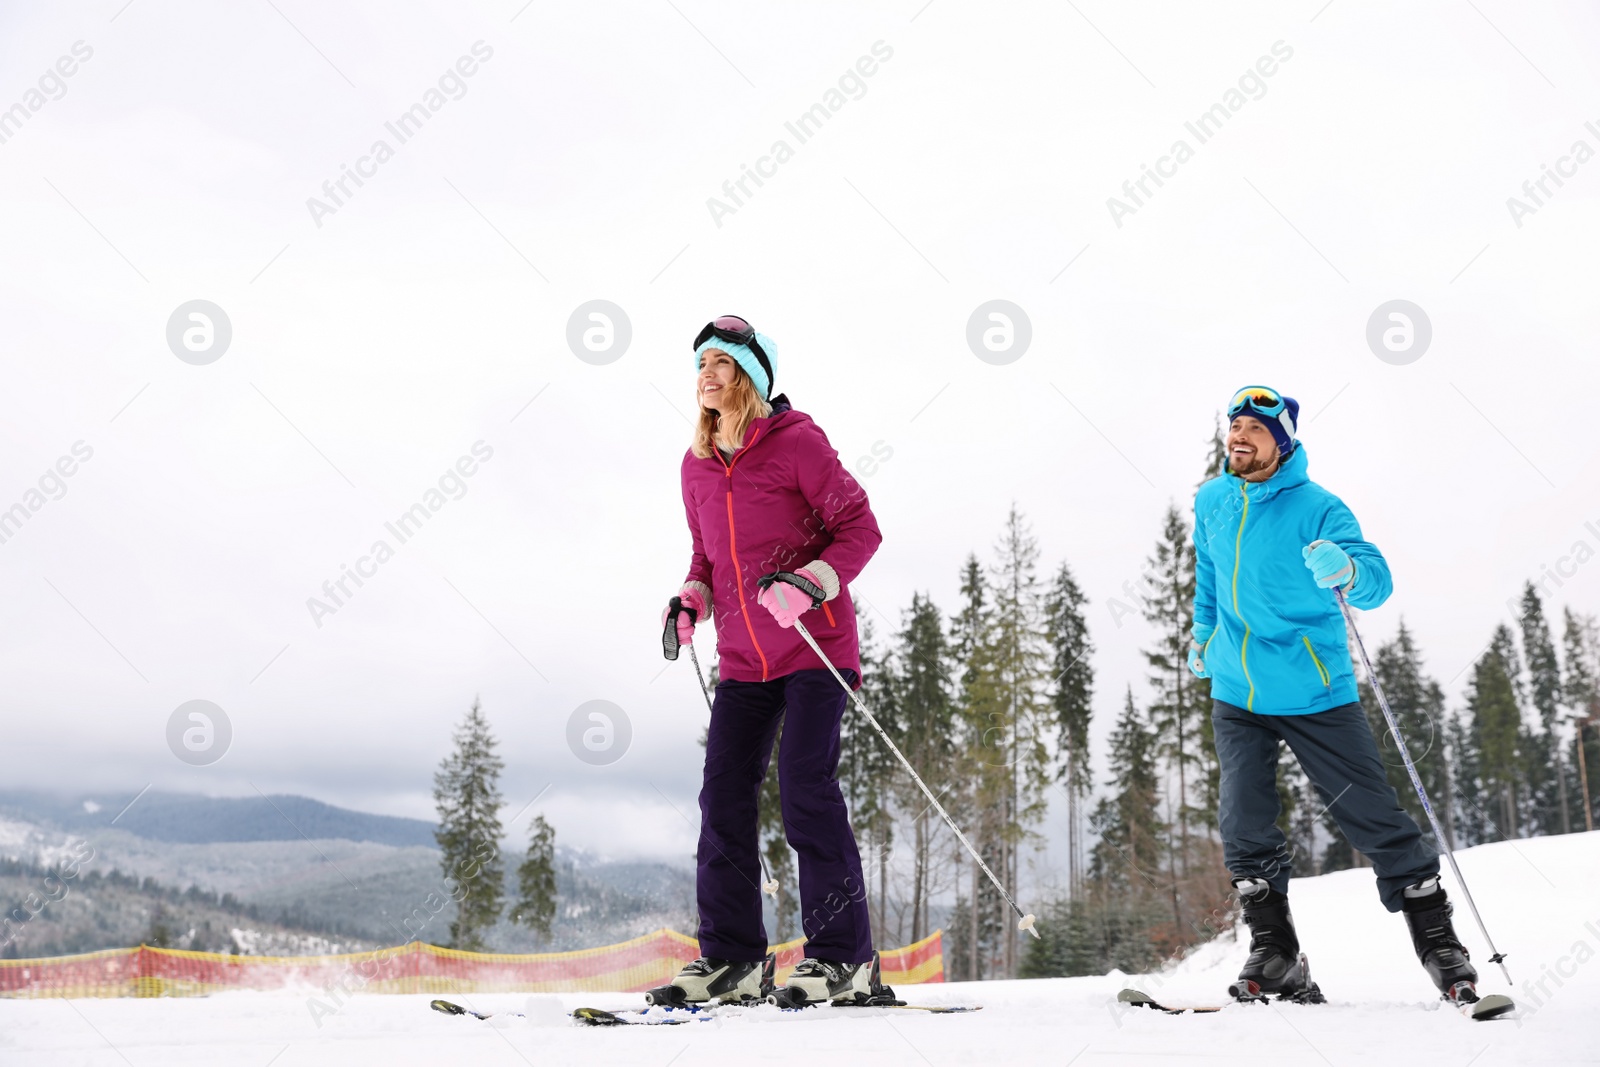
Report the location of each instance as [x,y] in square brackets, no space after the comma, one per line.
[1539,897]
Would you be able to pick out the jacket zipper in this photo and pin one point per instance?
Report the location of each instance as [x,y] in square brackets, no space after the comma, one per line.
[733,551]
[1322,671]
[1238,542]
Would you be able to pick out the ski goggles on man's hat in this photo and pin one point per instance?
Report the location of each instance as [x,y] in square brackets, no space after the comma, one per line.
[733,328]
[1258,399]
[1279,412]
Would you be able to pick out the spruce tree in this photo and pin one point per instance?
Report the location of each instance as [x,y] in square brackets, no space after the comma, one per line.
[1210,774]
[1072,697]
[1128,890]
[1018,662]
[1547,765]
[536,880]
[1065,946]
[1127,858]
[868,772]
[1472,823]
[1217,452]
[1176,711]
[1418,704]
[923,678]
[1497,733]
[466,793]
[973,800]
[1580,645]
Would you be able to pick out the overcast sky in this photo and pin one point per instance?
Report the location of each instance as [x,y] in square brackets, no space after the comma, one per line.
[379,337]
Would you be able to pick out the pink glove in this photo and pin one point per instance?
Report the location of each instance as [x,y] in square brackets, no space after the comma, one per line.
[798,603]
[691,599]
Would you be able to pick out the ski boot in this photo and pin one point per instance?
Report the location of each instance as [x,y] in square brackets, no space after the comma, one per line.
[1275,965]
[1427,912]
[707,979]
[815,981]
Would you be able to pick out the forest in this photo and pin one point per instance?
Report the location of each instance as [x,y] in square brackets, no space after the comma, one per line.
[991,700]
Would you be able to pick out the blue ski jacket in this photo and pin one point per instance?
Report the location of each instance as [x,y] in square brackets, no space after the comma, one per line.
[1277,643]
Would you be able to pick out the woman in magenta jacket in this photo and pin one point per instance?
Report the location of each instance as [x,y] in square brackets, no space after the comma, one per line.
[766,493]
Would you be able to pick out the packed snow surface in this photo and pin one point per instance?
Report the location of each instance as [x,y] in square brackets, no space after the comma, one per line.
[1538,896]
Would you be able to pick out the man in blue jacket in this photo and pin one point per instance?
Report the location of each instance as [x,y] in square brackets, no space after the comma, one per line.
[1270,545]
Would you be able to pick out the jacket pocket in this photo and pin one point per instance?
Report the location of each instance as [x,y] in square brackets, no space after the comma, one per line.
[1322,672]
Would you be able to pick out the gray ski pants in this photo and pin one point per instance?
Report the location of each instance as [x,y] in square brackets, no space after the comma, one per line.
[1337,751]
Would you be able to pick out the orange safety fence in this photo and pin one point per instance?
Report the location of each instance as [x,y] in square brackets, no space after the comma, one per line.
[414,967]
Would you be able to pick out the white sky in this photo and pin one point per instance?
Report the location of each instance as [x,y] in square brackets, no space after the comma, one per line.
[368,354]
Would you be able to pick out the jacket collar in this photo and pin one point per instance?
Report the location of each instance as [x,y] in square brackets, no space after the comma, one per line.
[1292,472]
[760,428]
[765,424]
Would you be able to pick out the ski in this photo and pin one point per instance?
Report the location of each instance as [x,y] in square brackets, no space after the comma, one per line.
[638,1016]
[705,1013]
[1138,999]
[451,1008]
[1482,1009]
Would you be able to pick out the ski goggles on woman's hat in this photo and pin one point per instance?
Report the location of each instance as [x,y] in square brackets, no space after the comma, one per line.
[733,328]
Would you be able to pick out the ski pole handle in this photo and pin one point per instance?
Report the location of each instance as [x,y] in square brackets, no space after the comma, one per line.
[669,632]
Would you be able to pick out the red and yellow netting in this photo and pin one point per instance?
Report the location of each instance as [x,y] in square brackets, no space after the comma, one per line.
[415,967]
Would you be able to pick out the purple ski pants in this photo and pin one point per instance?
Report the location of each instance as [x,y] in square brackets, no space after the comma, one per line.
[833,896]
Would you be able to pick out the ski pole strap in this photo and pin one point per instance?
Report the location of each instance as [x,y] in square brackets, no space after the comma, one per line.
[805,585]
[669,633]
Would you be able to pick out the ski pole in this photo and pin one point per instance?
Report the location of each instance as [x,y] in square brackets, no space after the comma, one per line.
[1416,782]
[1024,921]
[769,884]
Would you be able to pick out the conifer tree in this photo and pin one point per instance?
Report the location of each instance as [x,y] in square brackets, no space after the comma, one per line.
[1547,767]
[1017,660]
[1497,733]
[1072,697]
[923,677]
[1210,770]
[1176,710]
[536,880]
[1217,454]
[466,793]
[1580,645]
[1472,823]
[975,798]
[1127,858]
[1418,704]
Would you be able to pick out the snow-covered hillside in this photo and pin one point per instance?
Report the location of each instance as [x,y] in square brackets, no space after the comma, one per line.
[1538,896]
[354,886]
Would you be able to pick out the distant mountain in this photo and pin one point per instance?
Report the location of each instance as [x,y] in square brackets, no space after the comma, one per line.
[370,877]
[53,916]
[196,820]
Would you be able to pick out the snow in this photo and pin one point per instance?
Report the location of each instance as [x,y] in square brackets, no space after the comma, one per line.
[1537,895]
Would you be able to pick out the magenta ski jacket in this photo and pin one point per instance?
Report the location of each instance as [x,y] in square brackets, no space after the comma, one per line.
[783,502]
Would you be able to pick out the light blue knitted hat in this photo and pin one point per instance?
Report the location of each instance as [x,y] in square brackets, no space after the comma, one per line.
[746,359]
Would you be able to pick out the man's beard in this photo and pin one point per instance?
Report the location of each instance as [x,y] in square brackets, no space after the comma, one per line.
[1257,464]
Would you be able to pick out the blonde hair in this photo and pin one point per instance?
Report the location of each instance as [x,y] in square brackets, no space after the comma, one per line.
[739,407]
